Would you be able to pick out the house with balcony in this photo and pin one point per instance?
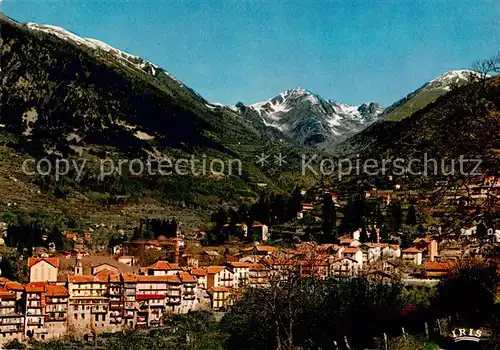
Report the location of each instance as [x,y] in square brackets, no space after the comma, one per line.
[371,252]
[56,310]
[129,288]
[88,304]
[173,297]
[428,246]
[219,276]
[258,275]
[412,255]
[240,272]
[354,253]
[34,311]
[390,251]
[150,295]
[201,277]
[189,299]
[317,267]
[116,300]
[221,298]
[344,267]
[11,320]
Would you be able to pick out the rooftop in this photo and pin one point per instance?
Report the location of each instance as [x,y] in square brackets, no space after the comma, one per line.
[52,261]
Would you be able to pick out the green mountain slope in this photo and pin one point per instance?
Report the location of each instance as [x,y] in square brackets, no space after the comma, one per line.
[65,98]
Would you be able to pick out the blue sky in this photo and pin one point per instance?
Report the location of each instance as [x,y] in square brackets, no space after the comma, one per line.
[230,51]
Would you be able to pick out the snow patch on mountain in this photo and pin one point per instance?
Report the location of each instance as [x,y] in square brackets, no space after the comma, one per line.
[447,80]
[95,44]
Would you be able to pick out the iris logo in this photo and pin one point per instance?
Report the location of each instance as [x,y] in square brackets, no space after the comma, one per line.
[464,334]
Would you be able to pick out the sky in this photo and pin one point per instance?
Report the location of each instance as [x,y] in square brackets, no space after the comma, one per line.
[230,51]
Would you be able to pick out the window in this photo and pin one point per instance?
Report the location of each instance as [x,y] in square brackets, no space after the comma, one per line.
[75,316]
[104,318]
[83,316]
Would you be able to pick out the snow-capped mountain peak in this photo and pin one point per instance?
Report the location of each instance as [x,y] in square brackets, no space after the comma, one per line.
[310,119]
[454,77]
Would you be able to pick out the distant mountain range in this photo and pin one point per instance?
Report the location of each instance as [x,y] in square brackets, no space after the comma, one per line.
[311,120]
[64,95]
[303,117]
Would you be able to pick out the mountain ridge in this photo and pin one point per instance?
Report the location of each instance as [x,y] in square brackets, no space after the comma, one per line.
[311,120]
[64,99]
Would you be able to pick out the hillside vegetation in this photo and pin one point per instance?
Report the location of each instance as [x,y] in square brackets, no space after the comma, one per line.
[65,100]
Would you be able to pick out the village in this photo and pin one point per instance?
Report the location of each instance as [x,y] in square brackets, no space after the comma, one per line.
[82,293]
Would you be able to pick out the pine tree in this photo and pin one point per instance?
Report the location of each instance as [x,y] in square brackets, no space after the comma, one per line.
[220,219]
[294,203]
[411,217]
[363,236]
[137,234]
[373,235]
[329,218]
[278,209]
[173,228]
[395,216]
[262,210]
[6,269]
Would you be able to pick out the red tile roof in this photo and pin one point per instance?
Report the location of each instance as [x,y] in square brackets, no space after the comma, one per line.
[52,261]
[57,291]
[214,269]
[257,267]
[412,250]
[431,265]
[352,250]
[261,248]
[5,294]
[87,279]
[164,265]
[129,277]
[187,277]
[14,286]
[70,235]
[199,272]
[35,287]
[169,279]
[237,264]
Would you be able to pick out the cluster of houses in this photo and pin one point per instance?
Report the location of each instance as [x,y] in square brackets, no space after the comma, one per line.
[109,300]
[116,294]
